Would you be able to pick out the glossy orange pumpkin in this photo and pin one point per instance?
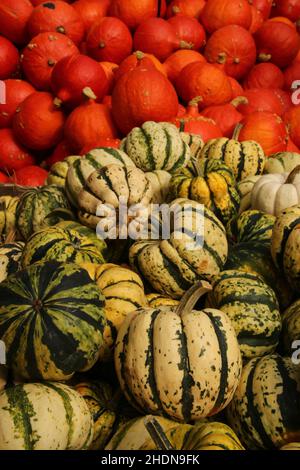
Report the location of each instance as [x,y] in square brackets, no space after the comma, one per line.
[226,116]
[110,69]
[191,8]
[16,92]
[284,98]
[219,13]
[261,99]
[292,119]
[13,155]
[9,58]
[138,59]
[134,12]
[291,75]
[61,151]
[288,8]
[30,176]
[101,142]
[91,11]
[176,62]
[257,20]
[236,88]
[188,30]
[264,6]
[14,15]
[264,75]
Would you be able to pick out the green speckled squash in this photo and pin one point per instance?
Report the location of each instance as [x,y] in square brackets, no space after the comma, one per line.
[10,258]
[244,158]
[158,300]
[51,320]
[85,232]
[8,209]
[58,171]
[82,168]
[211,183]
[195,143]
[265,410]
[172,265]
[44,416]
[282,162]
[54,243]
[245,187]
[175,360]
[160,183]
[291,327]
[36,205]
[253,309]
[251,226]
[156,146]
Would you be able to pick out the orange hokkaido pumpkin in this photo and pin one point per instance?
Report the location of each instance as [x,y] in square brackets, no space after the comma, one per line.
[176,62]
[288,8]
[292,120]
[206,81]
[91,11]
[16,92]
[291,75]
[226,116]
[31,175]
[264,6]
[61,151]
[264,75]
[134,12]
[101,142]
[284,98]
[38,123]
[9,58]
[236,88]
[13,155]
[188,30]
[283,19]
[14,15]
[261,99]
[256,20]
[191,8]
[139,58]
[143,94]
[110,69]
[219,13]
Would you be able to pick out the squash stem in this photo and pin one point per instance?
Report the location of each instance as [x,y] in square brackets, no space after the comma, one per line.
[190,298]
[157,434]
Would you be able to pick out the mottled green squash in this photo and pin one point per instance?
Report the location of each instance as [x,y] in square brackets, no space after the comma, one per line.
[282,162]
[291,328]
[51,321]
[85,232]
[251,226]
[8,210]
[10,258]
[158,300]
[58,171]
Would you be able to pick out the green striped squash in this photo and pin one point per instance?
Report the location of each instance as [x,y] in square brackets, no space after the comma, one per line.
[44,416]
[36,205]
[82,168]
[178,362]
[54,243]
[265,410]
[85,232]
[251,226]
[211,183]
[282,162]
[172,265]
[245,187]
[291,327]
[51,321]
[156,146]
[195,143]
[244,158]
[8,210]
[160,183]
[10,258]
[157,300]
[58,171]
[253,309]
[108,186]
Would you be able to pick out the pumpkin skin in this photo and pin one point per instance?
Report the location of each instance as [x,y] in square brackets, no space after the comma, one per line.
[226,116]
[287,8]
[291,74]
[277,42]
[77,323]
[219,13]
[260,412]
[264,6]
[143,95]
[245,159]
[135,12]
[10,258]
[41,54]
[260,99]
[13,19]
[291,326]
[210,183]
[109,40]
[264,75]
[15,92]
[149,147]
[44,416]
[8,208]
[163,339]
[136,59]
[13,156]
[292,119]
[156,36]
[256,20]
[36,205]
[91,11]
[258,329]
[282,162]
[58,171]
[60,152]
[188,30]
[38,123]
[165,264]
[56,16]
[233,47]
[176,62]
[191,8]
[31,175]
[9,59]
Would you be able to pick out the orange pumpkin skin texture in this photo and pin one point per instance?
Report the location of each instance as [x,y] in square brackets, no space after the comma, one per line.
[38,123]
[206,81]
[143,95]
[291,74]
[139,59]
[176,62]
[156,36]
[13,156]
[16,92]
[9,58]
[191,8]
[236,87]
[234,47]
[292,119]
[189,30]
[133,13]
[257,20]
[91,11]
[41,54]
[288,8]
[219,13]
[14,15]
[109,68]
[264,6]
[264,75]
[260,99]
[226,117]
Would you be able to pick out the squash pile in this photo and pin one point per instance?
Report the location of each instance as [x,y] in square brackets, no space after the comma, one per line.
[176,325]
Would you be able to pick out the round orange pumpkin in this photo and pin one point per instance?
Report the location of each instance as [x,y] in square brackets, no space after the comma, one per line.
[139,58]
[236,88]
[16,92]
[134,12]
[264,75]
[176,62]
[13,155]
[110,69]
[292,119]
[188,30]
[264,6]
[226,116]
[191,8]
[9,58]
[91,11]
[256,20]
[219,13]
[288,8]
[261,99]
[14,15]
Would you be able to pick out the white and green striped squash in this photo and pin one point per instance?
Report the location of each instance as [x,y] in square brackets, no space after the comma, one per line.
[44,416]
[112,185]
[172,265]
[82,168]
[174,361]
[8,210]
[282,162]
[244,158]
[251,226]
[65,246]
[51,321]
[253,309]
[10,258]
[265,410]
[291,327]
[157,300]
[156,146]
[160,183]
[58,171]
[35,207]
[245,187]
[85,232]
[195,143]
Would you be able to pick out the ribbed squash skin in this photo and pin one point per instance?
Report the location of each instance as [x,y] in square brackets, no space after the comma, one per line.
[172,266]
[160,183]
[85,232]
[245,187]
[158,300]
[58,171]
[51,320]
[282,162]
[195,143]
[10,258]
[35,205]
[253,309]
[291,326]
[61,245]
[251,226]
[44,416]
[210,183]
[244,158]
[204,436]
[156,146]
[123,291]
[8,209]
[82,168]
[178,366]
[264,411]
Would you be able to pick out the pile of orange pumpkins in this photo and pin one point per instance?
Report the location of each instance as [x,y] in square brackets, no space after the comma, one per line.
[78,75]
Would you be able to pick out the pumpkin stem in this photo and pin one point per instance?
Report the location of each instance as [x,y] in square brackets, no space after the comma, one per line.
[292,175]
[237,130]
[157,434]
[190,298]
[51,62]
[264,57]
[175,9]
[222,57]
[195,101]
[57,102]
[239,100]
[139,55]
[88,93]
[61,29]
[10,237]
[186,45]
